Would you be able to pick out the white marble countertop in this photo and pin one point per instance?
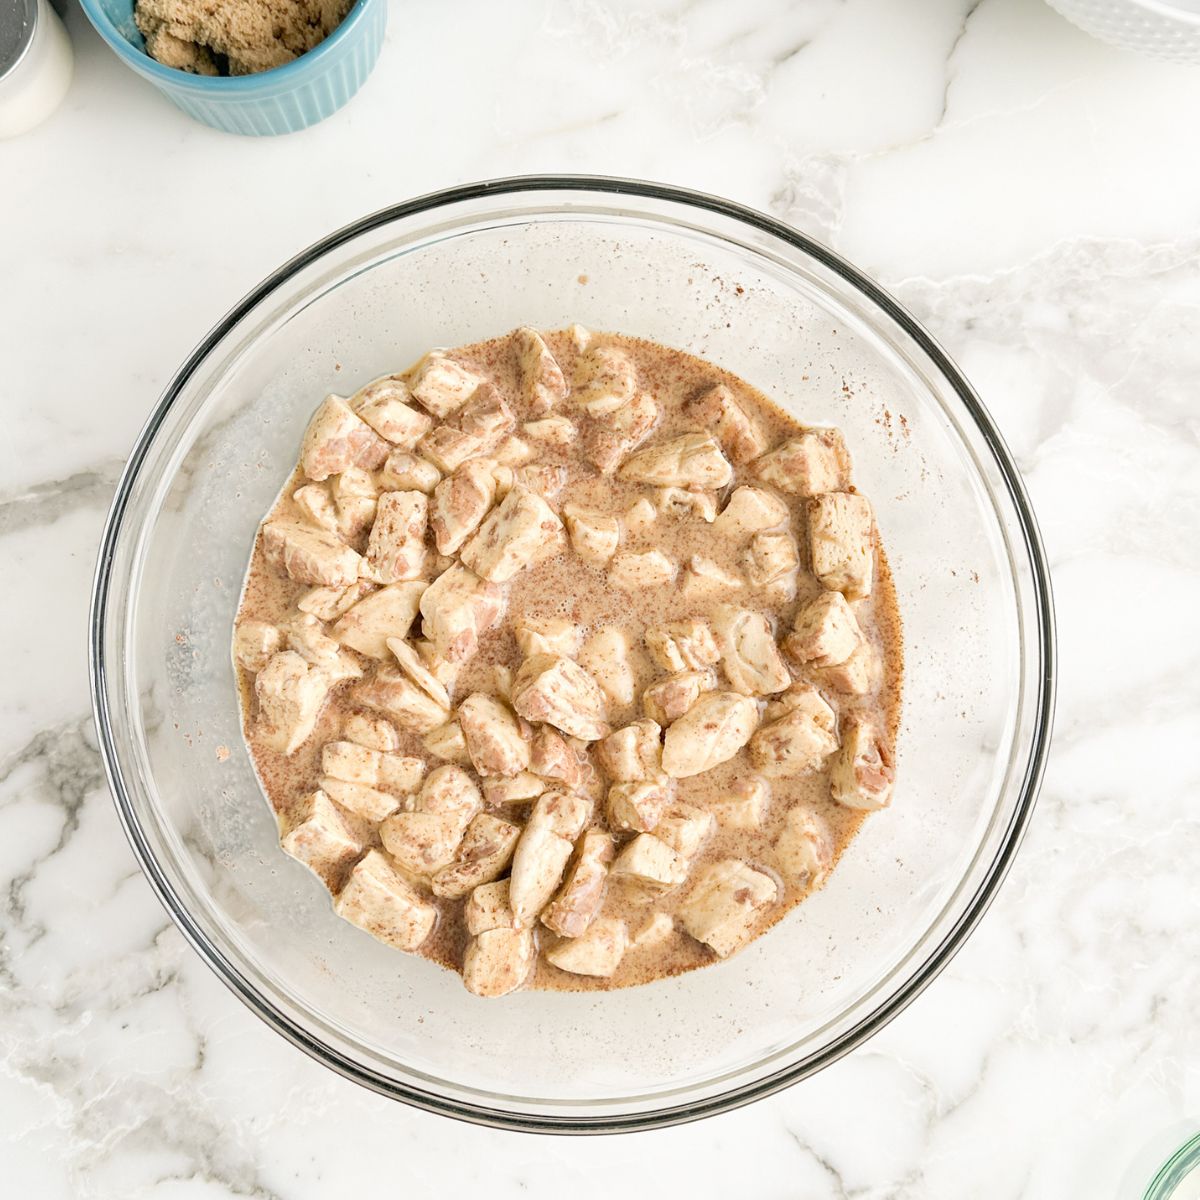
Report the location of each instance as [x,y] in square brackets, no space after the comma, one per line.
[1032,195]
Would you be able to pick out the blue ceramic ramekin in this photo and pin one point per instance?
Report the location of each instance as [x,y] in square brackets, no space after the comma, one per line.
[281,100]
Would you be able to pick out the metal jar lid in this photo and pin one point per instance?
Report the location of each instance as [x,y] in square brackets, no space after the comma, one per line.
[18,23]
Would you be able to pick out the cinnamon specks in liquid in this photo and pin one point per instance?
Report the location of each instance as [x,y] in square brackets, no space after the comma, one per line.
[565,586]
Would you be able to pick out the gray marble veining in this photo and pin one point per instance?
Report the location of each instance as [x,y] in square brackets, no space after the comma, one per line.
[1033,196]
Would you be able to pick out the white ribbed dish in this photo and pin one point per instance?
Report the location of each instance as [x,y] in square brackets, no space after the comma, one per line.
[1161,30]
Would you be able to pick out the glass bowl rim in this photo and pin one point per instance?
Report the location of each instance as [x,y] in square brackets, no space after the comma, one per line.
[1175,1170]
[741,1094]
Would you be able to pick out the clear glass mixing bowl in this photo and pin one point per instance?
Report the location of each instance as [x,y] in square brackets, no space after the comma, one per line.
[693,272]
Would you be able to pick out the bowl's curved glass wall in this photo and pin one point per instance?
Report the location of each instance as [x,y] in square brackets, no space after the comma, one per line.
[752,299]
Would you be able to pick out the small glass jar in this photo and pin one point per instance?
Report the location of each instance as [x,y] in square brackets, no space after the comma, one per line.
[35,64]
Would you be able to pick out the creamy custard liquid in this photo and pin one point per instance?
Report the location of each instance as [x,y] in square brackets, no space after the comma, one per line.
[566,586]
